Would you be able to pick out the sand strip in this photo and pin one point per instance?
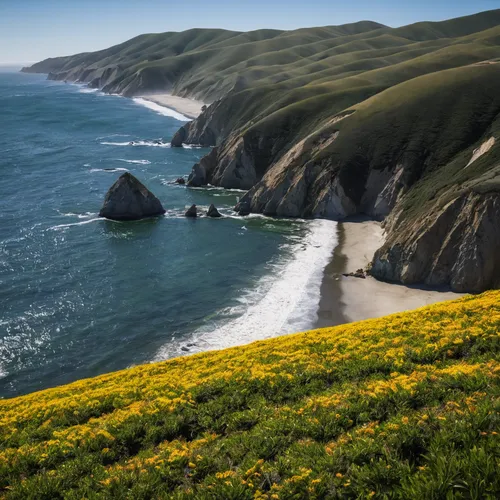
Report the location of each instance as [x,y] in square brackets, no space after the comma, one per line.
[346,299]
[187,107]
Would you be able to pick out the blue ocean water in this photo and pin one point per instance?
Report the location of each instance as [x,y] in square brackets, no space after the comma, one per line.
[80,295]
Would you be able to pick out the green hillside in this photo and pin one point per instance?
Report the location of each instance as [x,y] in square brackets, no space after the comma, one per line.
[337,121]
[403,407]
[208,63]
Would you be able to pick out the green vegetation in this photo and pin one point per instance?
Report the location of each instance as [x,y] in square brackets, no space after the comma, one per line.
[285,85]
[405,407]
[416,102]
[209,63]
[431,125]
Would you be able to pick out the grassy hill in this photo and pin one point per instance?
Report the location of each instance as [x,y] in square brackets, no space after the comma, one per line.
[405,406]
[209,63]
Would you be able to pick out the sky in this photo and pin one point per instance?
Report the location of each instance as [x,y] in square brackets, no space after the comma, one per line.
[32,30]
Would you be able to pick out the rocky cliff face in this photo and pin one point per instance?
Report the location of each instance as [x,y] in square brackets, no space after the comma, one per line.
[401,124]
[455,245]
[206,130]
[418,170]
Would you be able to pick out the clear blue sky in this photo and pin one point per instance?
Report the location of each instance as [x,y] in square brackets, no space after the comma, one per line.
[31,30]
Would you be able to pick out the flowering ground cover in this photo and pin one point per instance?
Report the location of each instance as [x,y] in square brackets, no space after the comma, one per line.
[405,406]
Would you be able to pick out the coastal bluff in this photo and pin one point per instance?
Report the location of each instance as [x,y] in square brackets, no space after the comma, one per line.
[401,125]
[128,199]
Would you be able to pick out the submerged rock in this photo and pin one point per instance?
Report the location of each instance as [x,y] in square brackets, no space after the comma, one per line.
[213,212]
[129,199]
[191,211]
[180,180]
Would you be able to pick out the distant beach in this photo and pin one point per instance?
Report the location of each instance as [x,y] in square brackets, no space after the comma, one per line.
[345,299]
[190,108]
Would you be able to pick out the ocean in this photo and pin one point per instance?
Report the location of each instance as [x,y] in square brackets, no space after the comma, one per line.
[82,296]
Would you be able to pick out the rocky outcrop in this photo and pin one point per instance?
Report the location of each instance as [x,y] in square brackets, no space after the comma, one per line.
[298,186]
[206,130]
[129,199]
[213,212]
[180,180]
[456,245]
[201,173]
[452,244]
[359,273]
[192,211]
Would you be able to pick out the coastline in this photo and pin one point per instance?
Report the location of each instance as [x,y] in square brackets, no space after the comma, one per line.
[190,108]
[345,299]
[281,301]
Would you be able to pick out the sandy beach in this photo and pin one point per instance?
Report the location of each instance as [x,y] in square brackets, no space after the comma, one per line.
[346,299]
[187,107]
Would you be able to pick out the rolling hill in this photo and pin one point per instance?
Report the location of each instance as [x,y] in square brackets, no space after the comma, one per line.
[400,124]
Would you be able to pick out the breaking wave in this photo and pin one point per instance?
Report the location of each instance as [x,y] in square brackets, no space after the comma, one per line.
[161,110]
[284,300]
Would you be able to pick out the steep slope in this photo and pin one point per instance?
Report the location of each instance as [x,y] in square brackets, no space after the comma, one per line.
[341,120]
[399,407]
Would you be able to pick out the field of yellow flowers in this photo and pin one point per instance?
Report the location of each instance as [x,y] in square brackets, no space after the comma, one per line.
[405,406]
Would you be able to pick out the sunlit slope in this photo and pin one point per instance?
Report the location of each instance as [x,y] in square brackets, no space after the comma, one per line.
[404,406]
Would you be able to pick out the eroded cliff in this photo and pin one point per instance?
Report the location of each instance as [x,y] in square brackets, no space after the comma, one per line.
[421,154]
[400,124]
[455,245]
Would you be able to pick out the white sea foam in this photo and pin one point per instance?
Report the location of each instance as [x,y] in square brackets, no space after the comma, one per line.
[64,226]
[162,110]
[88,90]
[112,135]
[209,187]
[85,215]
[137,143]
[138,162]
[109,143]
[285,300]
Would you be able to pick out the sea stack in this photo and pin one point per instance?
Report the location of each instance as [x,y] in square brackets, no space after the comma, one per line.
[213,212]
[191,211]
[129,199]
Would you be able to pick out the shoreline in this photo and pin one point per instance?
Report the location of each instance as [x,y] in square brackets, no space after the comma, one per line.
[190,108]
[345,299]
[282,301]
[185,108]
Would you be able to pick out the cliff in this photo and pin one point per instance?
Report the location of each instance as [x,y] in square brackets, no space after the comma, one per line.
[455,244]
[404,406]
[337,121]
[424,152]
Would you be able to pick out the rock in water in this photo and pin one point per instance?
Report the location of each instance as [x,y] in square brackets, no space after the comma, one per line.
[178,138]
[129,199]
[180,180]
[213,212]
[191,211]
